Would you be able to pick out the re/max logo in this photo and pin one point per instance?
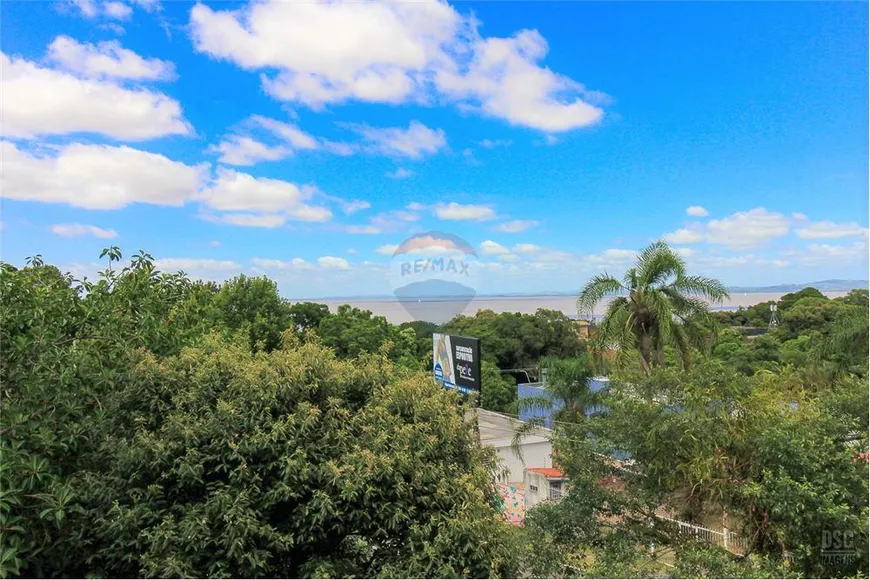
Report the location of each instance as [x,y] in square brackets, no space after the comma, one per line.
[435,265]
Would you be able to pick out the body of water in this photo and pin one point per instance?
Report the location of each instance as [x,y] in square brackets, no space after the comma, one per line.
[436,310]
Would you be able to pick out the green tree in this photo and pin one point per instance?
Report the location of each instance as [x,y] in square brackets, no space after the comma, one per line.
[253,306]
[656,304]
[307,315]
[788,300]
[127,451]
[498,391]
[857,297]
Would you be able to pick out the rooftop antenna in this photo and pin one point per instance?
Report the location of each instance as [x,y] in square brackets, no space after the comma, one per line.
[774,321]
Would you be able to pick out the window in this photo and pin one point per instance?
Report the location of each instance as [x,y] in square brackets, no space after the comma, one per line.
[533,488]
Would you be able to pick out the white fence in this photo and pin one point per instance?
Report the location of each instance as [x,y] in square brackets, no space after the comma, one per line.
[727,539]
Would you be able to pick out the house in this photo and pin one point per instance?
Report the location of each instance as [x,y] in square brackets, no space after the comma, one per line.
[498,430]
[544,484]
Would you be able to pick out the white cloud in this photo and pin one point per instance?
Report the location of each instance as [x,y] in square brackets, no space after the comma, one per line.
[117,10]
[352,251]
[515,226]
[41,101]
[415,142]
[416,206]
[491,248]
[831,230]
[684,236]
[75,230]
[290,134]
[87,8]
[696,211]
[747,229]
[815,254]
[525,248]
[387,249]
[330,52]
[215,244]
[353,206]
[196,264]
[400,173]
[367,229]
[799,216]
[333,263]
[107,60]
[241,150]
[269,199]
[493,143]
[456,211]
[294,264]
[394,53]
[613,257]
[251,220]
[97,176]
[502,78]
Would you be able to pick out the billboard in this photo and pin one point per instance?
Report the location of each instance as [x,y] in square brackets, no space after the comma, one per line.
[456,362]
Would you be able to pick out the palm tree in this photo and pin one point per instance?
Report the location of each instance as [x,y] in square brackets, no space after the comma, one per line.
[656,304]
[567,383]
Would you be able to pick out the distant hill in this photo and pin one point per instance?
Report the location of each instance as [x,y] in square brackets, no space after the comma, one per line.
[823,285]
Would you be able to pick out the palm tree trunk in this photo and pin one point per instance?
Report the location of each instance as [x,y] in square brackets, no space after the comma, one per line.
[644,350]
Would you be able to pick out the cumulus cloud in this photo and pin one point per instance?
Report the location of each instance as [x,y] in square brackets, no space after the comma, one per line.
[696,211]
[747,229]
[501,77]
[268,201]
[97,176]
[456,212]
[76,230]
[271,264]
[525,248]
[400,173]
[107,60]
[333,263]
[491,248]
[831,230]
[240,150]
[387,249]
[353,206]
[394,53]
[516,226]
[684,236]
[196,264]
[493,143]
[68,104]
[117,10]
[415,142]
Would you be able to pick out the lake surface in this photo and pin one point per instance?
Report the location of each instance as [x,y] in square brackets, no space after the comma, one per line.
[442,310]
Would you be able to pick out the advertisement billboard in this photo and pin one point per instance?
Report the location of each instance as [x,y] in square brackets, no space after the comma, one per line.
[456,362]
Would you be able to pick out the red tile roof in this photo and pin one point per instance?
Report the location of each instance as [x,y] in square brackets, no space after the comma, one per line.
[546,471]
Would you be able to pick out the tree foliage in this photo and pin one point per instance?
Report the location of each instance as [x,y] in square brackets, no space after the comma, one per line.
[141,437]
[656,304]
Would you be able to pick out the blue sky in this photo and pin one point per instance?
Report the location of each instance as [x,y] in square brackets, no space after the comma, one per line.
[305,140]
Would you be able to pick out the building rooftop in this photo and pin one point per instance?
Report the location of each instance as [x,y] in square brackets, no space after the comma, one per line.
[549,472]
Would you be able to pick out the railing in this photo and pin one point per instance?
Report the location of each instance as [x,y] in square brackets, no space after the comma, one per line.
[727,539]
[556,494]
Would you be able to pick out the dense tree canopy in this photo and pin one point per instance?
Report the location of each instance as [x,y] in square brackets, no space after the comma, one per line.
[158,426]
[134,447]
